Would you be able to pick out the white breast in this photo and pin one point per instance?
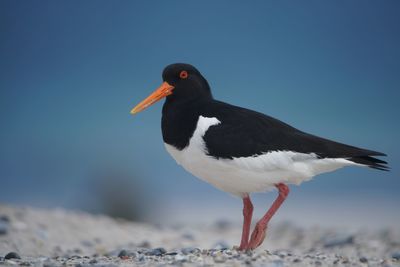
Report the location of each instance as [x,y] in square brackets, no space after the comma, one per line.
[245,175]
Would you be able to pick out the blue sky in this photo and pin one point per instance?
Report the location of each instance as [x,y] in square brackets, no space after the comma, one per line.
[72,70]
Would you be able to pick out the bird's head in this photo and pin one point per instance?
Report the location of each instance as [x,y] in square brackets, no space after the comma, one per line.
[181,82]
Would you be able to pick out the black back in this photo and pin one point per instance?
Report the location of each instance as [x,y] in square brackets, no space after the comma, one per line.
[246,133]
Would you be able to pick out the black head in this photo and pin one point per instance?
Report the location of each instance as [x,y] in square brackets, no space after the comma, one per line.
[182,82]
[187,81]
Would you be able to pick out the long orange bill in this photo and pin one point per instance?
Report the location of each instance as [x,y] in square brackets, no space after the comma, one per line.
[164,90]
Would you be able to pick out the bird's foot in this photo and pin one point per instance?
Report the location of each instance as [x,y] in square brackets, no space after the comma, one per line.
[242,247]
[258,236]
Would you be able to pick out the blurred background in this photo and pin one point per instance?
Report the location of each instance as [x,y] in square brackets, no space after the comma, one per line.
[72,70]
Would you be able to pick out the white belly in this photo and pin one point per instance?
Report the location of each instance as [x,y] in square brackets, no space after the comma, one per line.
[244,175]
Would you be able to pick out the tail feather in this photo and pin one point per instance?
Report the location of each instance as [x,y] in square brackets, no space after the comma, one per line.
[371,162]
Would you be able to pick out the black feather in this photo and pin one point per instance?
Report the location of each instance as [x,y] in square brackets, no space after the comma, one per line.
[245,133]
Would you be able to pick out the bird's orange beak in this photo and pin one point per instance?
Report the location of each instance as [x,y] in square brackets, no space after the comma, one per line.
[164,90]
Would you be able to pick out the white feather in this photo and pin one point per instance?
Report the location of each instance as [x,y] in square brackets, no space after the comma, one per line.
[245,175]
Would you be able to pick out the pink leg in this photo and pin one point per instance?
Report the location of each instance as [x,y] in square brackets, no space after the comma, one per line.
[247,214]
[258,235]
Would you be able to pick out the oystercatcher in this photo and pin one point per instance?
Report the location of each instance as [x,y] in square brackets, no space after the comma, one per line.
[241,151]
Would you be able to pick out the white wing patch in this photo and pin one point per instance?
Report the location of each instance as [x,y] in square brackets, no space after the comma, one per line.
[203,124]
[244,175]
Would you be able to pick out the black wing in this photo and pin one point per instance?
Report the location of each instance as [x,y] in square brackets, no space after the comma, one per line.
[245,133]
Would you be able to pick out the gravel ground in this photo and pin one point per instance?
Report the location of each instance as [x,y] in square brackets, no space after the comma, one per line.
[38,237]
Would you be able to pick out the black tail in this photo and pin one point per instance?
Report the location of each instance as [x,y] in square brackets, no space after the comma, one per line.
[371,162]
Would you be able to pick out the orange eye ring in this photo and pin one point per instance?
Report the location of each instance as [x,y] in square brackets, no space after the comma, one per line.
[184,74]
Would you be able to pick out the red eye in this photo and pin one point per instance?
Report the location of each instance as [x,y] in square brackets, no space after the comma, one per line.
[183,74]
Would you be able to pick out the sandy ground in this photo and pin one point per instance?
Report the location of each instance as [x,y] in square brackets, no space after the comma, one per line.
[59,237]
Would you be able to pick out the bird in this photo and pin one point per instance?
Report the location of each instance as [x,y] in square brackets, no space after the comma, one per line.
[241,151]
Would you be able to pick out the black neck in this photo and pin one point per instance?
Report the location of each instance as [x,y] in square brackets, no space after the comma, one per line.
[179,120]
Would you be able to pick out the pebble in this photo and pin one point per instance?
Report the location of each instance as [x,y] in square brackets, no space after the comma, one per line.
[339,241]
[181,258]
[12,255]
[223,224]
[4,218]
[220,259]
[396,255]
[4,226]
[363,260]
[282,253]
[188,236]
[77,250]
[86,243]
[123,253]
[190,250]
[276,263]
[221,245]
[49,264]
[156,252]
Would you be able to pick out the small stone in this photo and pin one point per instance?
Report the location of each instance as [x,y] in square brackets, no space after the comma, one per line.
[12,255]
[339,241]
[297,260]
[396,255]
[94,261]
[275,263]
[220,259]
[223,224]
[190,250]
[282,253]
[228,252]
[73,257]
[123,253]
[249,253]
[181,258]
[214,252]
[363,260]
[188,236]
[86,243]
[4,226]
[5,218]
[156,252]
[49,263]
[77,250]
[221,245]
